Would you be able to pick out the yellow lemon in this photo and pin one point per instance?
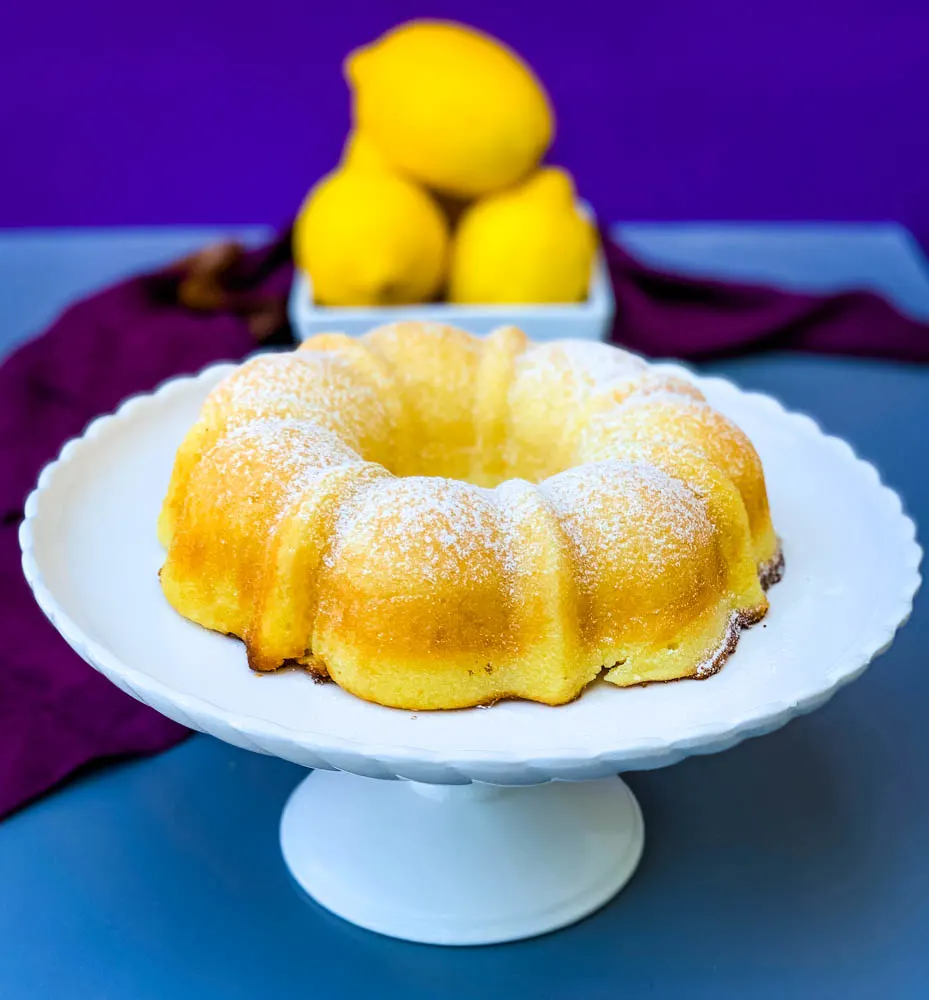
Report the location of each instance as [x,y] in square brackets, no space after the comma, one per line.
[369,237]
[526,244]
[450,106]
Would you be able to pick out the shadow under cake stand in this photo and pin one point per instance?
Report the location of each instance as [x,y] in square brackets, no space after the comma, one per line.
[479,844]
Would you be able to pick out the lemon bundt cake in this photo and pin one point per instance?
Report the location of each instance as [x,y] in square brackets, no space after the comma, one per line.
[436,520]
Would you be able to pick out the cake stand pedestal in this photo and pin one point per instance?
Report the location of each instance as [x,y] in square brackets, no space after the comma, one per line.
[460,864]
[499,823]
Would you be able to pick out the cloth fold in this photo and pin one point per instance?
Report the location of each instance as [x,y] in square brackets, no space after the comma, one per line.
[672,316]
[56,712]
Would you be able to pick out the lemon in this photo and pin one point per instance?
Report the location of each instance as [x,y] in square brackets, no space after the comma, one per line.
[527,244]
[369,237]
[450,106]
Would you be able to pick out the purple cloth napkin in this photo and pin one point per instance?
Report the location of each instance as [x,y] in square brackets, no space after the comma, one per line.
[57,713]
[669,316]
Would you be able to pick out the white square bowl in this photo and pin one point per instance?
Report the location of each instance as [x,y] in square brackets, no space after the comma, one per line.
[588,320]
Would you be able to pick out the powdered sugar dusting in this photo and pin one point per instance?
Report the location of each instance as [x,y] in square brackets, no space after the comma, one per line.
[655,383]
[322,386]
[605,506]
[663,393]
[267,386]
[522,508]
[581,368]
[280,460]
[291,419]
[668,417]
[591,363]
[431,527]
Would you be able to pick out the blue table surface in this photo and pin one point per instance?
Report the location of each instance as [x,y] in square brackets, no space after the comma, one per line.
[795,864]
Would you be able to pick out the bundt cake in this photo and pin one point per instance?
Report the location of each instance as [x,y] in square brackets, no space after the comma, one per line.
[437,520]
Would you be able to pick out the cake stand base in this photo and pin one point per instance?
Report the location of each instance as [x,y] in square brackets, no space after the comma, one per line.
[460,864]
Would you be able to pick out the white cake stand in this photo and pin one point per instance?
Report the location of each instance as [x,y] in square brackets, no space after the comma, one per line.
[457,854]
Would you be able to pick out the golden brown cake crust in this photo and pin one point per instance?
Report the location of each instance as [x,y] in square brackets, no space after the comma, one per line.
[772,572]
[434,520]
[769,575]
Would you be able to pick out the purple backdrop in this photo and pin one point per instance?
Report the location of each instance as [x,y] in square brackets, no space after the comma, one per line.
[218,111]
